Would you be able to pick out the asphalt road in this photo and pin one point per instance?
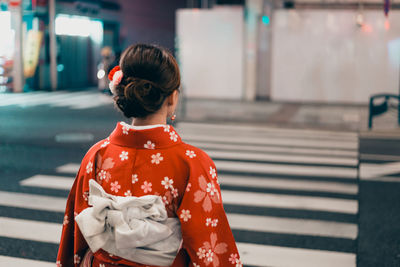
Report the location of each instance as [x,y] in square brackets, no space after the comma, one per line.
[38,139]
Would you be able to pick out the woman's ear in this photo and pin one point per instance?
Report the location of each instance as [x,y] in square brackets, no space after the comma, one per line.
[173,98]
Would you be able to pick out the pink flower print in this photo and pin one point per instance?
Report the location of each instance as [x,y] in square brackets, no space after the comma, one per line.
[58,264]
[156,158]
[123,155]
[85,195]
[173,136]
[211,222]
[89,167]
[149,145]
[234,259]
[106,143]
[102,167]
[108,163]
[65,222]
[77,259]
[195,265]
[146,187]
[209,255]
[134,178]
[128,193]
[167,183]
[174,192]
[213,172]
[202,195]
[201,253]
[185,215]
[211,189]
[190,154]
[189,185]
[213,249]
[165,200]
[102,175]
[167,128]
[125,129]
[115,187]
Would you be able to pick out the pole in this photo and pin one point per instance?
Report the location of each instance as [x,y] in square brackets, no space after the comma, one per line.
[252,21]
[398,96]
[53,45]
[18,67]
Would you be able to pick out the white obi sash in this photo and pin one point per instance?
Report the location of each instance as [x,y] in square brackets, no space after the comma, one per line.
[134,228]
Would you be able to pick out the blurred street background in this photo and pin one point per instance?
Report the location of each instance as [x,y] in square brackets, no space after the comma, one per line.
[297,103]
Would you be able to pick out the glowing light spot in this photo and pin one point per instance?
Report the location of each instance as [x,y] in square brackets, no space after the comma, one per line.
[100,74]
[366,28]
[265,20]
[387,24]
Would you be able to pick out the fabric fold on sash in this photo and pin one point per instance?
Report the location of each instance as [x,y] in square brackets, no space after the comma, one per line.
[134,228]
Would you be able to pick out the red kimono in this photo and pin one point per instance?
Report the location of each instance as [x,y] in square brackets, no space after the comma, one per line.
[154,161]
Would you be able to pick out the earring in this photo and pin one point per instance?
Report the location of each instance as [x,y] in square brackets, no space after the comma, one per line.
[173,117]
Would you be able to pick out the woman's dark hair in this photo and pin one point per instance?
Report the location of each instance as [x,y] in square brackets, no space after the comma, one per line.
[150,75]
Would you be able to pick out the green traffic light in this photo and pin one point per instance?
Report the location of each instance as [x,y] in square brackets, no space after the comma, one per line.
[266,20]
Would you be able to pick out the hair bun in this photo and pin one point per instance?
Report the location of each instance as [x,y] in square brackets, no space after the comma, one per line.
[144,94]
[151,74]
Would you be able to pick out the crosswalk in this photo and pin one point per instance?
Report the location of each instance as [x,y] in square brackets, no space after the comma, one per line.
[73,100]
[290,196]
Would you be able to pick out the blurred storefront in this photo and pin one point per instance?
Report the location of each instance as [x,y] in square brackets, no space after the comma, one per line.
[289,51]
[6,50]
[51,45]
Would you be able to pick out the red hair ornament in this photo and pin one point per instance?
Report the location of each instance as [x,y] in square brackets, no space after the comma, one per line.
[115,76]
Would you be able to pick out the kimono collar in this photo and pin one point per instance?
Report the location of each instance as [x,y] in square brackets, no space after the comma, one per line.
[144,137]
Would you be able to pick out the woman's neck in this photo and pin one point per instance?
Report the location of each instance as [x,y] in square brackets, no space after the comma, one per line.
[150,120]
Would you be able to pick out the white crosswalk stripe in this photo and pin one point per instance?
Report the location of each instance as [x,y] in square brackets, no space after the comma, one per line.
[228,196]
[284,190]
[72,100]
[297,257]
[20,262]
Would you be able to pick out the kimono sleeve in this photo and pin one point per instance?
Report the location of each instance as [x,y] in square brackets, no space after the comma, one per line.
[73,246]
[207,236]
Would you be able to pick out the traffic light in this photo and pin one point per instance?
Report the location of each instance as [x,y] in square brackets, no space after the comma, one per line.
[265,20]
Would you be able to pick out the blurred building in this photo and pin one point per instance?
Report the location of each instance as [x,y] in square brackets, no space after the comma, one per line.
[57,44]
[64,35]
[324,51]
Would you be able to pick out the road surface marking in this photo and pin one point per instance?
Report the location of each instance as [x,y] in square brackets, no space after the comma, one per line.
[65,183]
[290,202]
[261,168]
[369,171]
[20,262]
[352,162]
[292,226]
[262,128]
[264,255]
[30,230]
[288,142]
[276,149]
[288,184]
[296,170]
[229,197]
[252,254]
